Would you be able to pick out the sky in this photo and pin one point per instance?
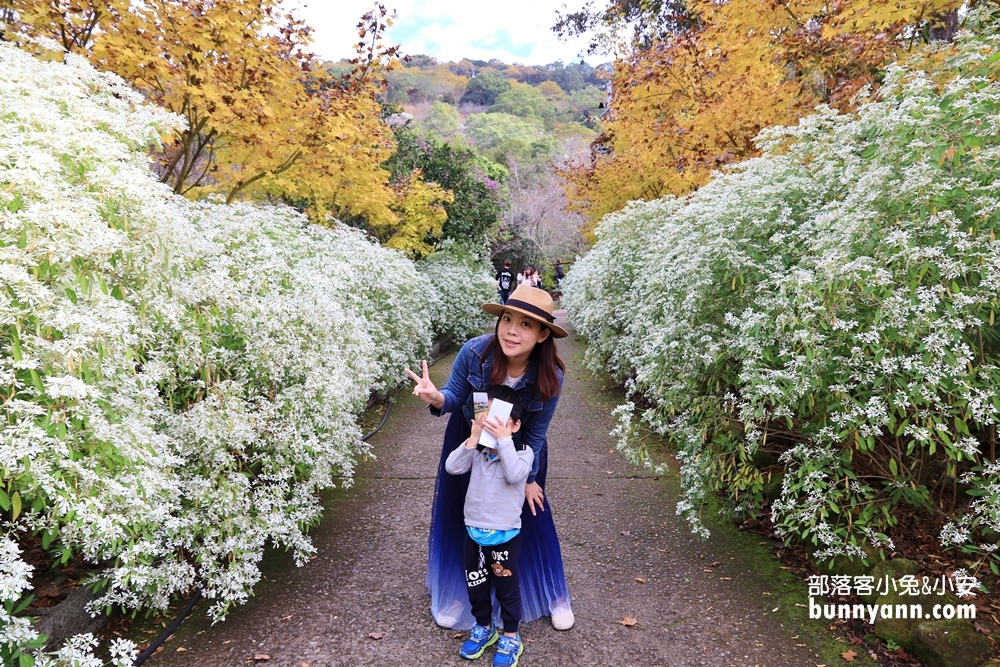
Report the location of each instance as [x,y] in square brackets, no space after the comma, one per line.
[511,30]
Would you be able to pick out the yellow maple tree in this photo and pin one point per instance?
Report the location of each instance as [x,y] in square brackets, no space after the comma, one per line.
[691,101]
[264,116]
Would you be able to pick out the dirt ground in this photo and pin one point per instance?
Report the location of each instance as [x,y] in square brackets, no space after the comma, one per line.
[362,600]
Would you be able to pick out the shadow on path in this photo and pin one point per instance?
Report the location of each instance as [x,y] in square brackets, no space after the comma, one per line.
[721,602]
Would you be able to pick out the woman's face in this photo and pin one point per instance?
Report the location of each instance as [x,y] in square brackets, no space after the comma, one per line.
[519,334]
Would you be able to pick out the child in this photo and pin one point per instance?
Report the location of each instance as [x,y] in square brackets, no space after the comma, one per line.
[493,523]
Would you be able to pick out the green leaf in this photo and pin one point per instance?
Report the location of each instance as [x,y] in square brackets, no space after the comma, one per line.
[15,502]
[36,380]
[4,500]
[47,538]
[23,604]
[892,467]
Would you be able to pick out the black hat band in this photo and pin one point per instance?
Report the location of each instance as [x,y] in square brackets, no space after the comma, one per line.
[534,310]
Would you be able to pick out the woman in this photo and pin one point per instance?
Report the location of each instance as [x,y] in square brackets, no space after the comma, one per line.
[521,353]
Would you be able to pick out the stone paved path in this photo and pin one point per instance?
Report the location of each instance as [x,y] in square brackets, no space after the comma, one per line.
[617,527]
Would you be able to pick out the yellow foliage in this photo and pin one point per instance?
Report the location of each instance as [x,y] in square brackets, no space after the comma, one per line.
[684,107]
[420,206]
[264,119]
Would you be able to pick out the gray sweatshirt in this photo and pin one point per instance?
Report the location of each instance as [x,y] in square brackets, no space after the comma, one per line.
[496,488]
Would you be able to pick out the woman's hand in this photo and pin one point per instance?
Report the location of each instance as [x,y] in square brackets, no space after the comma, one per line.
[535,496]
[425,389]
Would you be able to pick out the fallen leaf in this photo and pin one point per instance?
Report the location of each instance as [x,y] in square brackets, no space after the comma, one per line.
[707,570]
[628,621]
[980,628]
[640,580]
[458,635]
[849,655]
[180,649]
[261,657]
[579,437]
[376,635]
[725,578]
[800,644]
[626,533]
[857,641]
[715,563]
[775,609]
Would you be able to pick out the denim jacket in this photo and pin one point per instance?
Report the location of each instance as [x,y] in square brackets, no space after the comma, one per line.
[469,374]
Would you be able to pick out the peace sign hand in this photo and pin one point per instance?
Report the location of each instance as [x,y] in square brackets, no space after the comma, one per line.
[425,389]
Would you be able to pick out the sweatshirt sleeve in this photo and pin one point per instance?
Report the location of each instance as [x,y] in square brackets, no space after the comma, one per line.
[516,465]
[459,461]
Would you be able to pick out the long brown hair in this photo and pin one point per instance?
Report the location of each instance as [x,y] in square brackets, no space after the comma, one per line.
[544,356]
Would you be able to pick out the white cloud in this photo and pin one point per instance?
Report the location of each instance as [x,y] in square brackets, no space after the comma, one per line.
[511,30]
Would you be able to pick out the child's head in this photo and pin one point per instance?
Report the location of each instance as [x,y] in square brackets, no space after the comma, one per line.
[505,393]
[506,264]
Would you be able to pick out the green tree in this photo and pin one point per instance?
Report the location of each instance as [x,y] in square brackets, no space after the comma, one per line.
[527,102]
[489,130]
[485,88]
[477,184]
[441,122]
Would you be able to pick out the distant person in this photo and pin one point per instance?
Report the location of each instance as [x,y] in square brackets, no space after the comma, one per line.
[493,526]
[527,277]
[536,278]
[520,277]
[560,274]
[505,281]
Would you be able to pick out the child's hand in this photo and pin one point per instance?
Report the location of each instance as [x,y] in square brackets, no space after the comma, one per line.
[496,429]
[477,431]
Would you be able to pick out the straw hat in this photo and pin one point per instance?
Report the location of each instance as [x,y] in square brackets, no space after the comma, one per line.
[530,302]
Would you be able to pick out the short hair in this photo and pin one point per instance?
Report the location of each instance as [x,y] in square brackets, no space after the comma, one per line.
[505,393]
[506,263]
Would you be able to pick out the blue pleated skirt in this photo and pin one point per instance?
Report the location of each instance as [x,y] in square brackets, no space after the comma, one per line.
[543,581]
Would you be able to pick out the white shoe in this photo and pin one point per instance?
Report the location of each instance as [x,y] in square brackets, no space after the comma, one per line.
[448,618]
[562,618]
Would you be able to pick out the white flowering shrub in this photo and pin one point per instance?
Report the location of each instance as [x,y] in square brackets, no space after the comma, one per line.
[459,286]
[833,303]
[179,379]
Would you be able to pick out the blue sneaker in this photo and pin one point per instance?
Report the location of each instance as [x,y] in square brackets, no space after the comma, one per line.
[478,640]
[509,649]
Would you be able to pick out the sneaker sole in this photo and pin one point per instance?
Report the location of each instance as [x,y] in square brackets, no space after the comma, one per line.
[482,649]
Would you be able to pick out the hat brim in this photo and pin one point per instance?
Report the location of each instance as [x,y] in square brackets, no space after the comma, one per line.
[497,310]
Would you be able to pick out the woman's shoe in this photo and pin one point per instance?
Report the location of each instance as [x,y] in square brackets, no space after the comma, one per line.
[447,618]
[562,617]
